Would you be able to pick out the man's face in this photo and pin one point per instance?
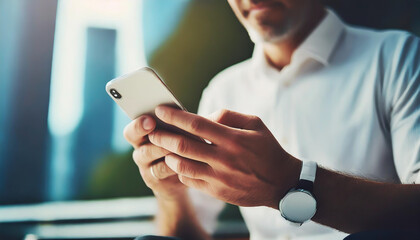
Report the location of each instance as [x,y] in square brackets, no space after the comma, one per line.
[271,20]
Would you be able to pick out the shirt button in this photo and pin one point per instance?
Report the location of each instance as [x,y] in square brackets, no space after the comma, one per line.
[286,83]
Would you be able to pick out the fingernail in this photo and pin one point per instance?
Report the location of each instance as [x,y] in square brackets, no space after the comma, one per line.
[147,123]
[160,111]
[172,163]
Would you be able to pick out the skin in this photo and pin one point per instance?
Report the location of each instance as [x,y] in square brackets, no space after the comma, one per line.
[279,25]
[244,164]
[243,147]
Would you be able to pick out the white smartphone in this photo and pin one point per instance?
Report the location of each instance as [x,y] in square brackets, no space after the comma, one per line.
[140,92]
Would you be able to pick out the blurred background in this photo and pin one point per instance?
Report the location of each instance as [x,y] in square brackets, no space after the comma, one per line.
[61,135]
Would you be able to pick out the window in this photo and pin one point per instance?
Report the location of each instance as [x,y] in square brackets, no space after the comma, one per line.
[95,41]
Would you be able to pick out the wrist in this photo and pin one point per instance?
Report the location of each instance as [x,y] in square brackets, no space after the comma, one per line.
[178,201]
[176,217]
[299,204]
[289,180]
[175,195]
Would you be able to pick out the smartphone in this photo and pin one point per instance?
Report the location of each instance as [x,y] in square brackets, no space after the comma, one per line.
[140,92]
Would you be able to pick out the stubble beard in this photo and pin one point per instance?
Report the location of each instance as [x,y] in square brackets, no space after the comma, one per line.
[275,34]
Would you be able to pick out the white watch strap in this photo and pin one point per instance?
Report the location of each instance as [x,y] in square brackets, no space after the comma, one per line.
[308,171]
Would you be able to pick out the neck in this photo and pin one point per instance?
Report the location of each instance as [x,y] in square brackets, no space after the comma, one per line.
[279,54]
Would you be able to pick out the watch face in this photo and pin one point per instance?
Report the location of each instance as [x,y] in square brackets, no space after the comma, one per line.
[298,206]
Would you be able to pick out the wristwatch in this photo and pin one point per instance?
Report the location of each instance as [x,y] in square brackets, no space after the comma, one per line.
[299,204]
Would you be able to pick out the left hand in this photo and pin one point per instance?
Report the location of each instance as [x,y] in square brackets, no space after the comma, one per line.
[244,164]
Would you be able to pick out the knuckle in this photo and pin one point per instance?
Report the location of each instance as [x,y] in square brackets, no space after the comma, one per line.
[186,169]
[182,167]
[181,146]
[167,115]
[157,170]
[126,132]
[160,168]
[195,124]
[136,157]
[154,137]
[140,155]
[220,192]
[221,115]
[224,112]
[144,152]
[255,121]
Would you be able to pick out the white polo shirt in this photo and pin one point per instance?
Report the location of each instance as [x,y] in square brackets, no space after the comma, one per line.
[349,100]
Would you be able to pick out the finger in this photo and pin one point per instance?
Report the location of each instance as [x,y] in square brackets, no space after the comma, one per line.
[187,167]
[152,181]
[193,124]
[184,146]
[135,132]
[236,119]
[160,170]
[194,183]
[147,153]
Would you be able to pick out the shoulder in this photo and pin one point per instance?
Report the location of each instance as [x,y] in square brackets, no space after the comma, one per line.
[395,54]
[402,80]
[399,67]
[389,60]
[399,52]
[388,43]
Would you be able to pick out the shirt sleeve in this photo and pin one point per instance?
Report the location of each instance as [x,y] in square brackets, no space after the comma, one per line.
[207,207]
[403,93]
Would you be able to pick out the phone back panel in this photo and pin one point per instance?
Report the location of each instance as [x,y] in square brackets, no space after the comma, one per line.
[141,91]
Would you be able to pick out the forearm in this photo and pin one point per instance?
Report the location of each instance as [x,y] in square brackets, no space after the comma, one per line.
[351,204]
[178,218]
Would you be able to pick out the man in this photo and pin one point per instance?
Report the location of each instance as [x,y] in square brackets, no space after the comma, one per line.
[345,97]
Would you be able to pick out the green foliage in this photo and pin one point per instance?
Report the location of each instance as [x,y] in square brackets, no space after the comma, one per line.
[116,177]
[209,39]
[230,212]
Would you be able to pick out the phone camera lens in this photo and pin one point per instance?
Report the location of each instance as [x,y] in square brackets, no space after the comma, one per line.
[115,93]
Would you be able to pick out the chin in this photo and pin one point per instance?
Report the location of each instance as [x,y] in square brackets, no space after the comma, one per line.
[268,35]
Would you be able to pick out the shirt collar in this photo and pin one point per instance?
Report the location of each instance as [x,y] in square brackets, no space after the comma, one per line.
[319,45]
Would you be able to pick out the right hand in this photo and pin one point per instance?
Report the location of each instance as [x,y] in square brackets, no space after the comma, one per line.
[148,157]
